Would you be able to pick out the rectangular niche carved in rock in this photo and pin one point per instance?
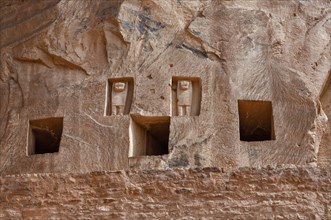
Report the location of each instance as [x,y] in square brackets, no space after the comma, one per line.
[119,92]
[256,120]
[45,135]
[186,96]
[149,135]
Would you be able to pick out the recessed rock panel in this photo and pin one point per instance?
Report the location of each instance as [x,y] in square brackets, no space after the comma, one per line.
[119,92]
[186,96]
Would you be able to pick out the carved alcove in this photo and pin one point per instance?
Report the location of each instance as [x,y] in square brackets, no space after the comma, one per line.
[186,96]
[119,93]
[45,135]
[149,135]
[256,120]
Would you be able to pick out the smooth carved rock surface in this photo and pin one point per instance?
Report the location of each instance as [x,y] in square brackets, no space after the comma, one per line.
[210,193]
[58,56]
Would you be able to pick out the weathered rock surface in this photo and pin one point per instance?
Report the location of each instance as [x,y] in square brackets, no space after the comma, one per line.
[61,58]
[324,153]
[247,193]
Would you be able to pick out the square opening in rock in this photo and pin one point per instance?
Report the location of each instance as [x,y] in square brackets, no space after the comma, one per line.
[45,135]
[256,120]
[149,135]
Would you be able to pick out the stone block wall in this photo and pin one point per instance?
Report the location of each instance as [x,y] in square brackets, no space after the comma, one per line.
[282,192]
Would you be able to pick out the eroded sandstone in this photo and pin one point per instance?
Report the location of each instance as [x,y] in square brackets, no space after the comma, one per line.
[61,59]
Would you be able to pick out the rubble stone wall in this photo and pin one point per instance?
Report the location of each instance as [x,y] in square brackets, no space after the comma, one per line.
[282,192]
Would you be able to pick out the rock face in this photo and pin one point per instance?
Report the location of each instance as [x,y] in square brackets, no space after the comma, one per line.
[247,193]
[324,153]
[112,85]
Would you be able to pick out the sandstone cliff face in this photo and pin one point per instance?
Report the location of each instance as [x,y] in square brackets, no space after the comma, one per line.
[61,59]
[324,153]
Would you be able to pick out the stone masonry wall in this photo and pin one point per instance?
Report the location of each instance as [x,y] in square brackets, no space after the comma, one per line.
[248,193]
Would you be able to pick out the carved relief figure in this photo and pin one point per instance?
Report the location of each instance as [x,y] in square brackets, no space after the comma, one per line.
[118,98]
[184,97]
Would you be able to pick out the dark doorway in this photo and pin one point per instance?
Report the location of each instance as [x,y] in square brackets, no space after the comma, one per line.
[149,135]
[256,120]
[45,135]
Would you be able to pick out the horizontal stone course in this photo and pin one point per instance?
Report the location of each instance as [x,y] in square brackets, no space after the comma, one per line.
[282,192]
